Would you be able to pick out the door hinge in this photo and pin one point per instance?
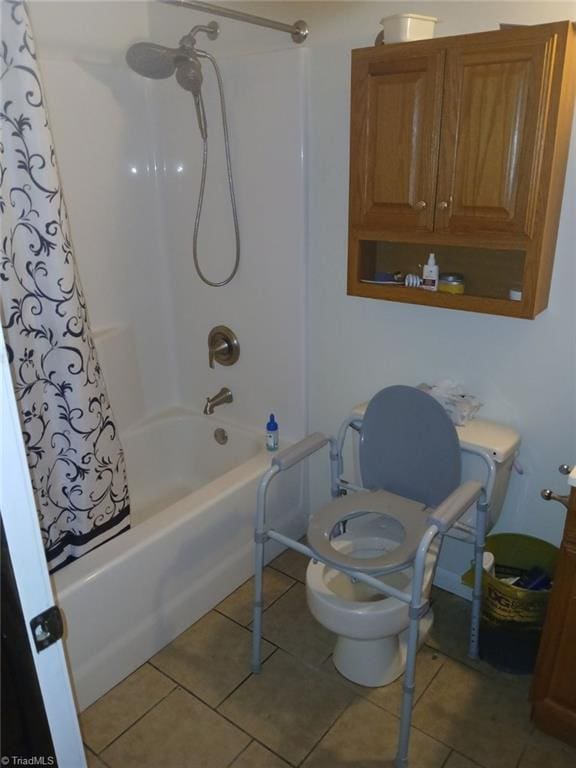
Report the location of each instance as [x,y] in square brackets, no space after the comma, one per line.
[47,627]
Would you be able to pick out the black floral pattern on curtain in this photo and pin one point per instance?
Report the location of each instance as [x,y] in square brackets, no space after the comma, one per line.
[74,453]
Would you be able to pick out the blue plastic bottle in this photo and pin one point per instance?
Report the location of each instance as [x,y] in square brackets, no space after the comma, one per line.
[272,434]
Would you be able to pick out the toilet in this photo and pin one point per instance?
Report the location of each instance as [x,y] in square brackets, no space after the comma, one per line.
[371,628]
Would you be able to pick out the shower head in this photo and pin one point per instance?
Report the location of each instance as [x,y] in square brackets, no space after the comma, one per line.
[152,60]
[159,62]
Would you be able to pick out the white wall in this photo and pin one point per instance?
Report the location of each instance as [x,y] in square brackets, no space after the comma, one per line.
[102,121]
[524,371]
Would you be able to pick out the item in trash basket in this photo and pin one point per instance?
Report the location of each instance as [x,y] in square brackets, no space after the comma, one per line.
[535,579]
[488,562]
[510,580]
[504,571]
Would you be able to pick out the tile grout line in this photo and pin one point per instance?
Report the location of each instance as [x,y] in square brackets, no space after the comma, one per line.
[448,756]
[237,756]
[197,695]
[285,574]
[273,752]
[523,752]
[247,626]
[332,725]
[434,676]
[248,676]
[223,715]
[99,754]
[384,707]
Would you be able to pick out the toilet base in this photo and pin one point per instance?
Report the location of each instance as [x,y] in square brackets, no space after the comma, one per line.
[374,663]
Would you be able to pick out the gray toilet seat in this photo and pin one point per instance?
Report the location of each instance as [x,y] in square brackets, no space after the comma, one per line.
[411,515]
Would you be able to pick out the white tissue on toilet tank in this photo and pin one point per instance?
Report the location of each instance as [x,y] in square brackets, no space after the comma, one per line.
[458,404]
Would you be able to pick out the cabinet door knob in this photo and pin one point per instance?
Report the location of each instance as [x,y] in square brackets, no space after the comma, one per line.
[549,495]
[443,205]
[564,469]
[420,205]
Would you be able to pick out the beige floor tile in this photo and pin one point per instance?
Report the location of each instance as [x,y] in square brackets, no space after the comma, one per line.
[118,709]
[238,605]
[543,750]
[459,761]
[287,707]
[485,719]
[289,624]
[180,732]
[210,659]
[257,756]
[92,761]
[367,737]
[292,563]
[428,663]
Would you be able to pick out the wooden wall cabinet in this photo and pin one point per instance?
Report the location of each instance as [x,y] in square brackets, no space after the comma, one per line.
[462,141]
[554,687]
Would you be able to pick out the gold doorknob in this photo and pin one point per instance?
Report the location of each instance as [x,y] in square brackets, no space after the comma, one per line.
[420,205]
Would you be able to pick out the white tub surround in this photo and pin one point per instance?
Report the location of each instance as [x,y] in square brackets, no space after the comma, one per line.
[190,545]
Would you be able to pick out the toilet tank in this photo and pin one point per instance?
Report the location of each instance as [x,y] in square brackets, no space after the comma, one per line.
[480,438]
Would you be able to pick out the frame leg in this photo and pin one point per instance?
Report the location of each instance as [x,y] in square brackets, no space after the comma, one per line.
[260,538]
[414,613]
[482,509]
[256,664]
[408,685]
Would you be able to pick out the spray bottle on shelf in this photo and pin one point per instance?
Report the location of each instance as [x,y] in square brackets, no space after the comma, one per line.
[430,274]
[272,434]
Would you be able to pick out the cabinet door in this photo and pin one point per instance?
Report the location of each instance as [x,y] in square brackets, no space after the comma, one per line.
[554,686]
[395,120]
[493,125]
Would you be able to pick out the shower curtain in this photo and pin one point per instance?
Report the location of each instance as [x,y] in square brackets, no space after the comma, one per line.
[74,452]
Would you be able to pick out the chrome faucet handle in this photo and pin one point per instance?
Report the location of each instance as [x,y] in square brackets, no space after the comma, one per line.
[223,346]
[218,350]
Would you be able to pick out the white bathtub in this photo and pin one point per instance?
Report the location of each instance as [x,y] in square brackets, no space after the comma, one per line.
[190,545]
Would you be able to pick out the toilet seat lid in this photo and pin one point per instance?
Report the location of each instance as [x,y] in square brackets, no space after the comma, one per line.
[409,514]
[409,446]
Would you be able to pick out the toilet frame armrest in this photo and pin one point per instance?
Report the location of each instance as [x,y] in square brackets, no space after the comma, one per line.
[453,507]
[299,451]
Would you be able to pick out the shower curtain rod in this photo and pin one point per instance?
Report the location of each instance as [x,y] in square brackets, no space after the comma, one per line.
[298,31]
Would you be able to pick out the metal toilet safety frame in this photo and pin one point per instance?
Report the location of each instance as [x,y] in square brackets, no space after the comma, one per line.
[439,520]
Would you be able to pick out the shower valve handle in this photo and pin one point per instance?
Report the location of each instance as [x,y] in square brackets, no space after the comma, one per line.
[220,349]
[223,346]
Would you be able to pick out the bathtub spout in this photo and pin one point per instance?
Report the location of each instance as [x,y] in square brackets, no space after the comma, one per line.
[224,396]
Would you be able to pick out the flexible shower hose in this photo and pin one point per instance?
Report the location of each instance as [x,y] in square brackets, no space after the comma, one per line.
[201,275]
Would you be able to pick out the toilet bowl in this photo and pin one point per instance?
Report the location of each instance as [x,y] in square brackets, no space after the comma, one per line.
[371,627]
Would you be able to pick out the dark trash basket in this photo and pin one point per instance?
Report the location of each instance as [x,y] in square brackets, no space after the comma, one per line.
[512,617]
